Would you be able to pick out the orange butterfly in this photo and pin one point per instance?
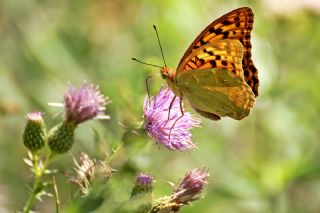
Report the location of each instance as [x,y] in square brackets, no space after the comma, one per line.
[216,75]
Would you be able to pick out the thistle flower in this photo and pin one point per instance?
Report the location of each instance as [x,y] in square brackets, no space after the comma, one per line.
[34,135]
[81,104]
[188,190]
[84,172]
[84,103]
[173,133]
[191,186]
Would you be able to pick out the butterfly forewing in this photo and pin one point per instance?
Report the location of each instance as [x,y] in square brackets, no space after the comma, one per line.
[224,54]
[235,25]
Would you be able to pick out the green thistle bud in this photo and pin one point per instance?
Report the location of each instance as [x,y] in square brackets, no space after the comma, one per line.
[60,138]
[34,135]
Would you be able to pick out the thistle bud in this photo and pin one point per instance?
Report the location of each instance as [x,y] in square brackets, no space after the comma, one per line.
[143,184]
[141,195]
[34,135]
[191,186]
[188,190]
[60,138]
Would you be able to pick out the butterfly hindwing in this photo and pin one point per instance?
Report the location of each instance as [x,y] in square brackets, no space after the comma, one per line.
[216,93]
[236,25]
[209,115]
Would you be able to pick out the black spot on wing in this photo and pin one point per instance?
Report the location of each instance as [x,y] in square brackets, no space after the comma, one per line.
[226,22]
[225,34]
[202,42]
[213,63]
[216,31]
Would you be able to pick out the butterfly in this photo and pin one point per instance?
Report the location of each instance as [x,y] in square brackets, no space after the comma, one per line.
[216,75]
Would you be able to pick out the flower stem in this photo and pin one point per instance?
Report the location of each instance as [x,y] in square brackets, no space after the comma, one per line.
[38,185]
[56,194]
[115,152]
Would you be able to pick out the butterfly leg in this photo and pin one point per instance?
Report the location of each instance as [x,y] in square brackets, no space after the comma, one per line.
[182,114]
[170,106]
[147,84]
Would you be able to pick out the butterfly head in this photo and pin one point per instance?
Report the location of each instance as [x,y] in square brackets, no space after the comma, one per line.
[167,73]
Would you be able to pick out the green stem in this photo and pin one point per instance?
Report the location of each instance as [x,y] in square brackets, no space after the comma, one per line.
[115,153]
[37,185]
[56,194]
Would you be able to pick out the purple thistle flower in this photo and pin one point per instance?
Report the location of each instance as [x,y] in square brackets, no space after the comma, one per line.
[191,186]
[158,126]
[84,103]
[144,179]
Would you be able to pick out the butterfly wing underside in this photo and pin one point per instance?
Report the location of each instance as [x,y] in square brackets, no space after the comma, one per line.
[220,91]
[236,25]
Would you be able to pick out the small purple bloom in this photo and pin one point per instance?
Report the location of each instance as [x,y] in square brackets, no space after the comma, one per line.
[158,126]
[84,103]
[144,179]
[143,185]
[191,186]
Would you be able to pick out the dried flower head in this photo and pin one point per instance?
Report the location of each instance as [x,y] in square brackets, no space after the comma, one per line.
[84,103]
[105,170]
[84,172]
[174,133]
[191,186]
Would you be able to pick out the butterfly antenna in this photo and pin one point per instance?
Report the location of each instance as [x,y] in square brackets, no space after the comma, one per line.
[146,63]
[164,61]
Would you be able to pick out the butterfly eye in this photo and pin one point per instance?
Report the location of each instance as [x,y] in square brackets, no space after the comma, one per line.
[164,75]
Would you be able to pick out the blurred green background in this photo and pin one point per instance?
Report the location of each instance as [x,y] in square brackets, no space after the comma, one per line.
[268,162]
